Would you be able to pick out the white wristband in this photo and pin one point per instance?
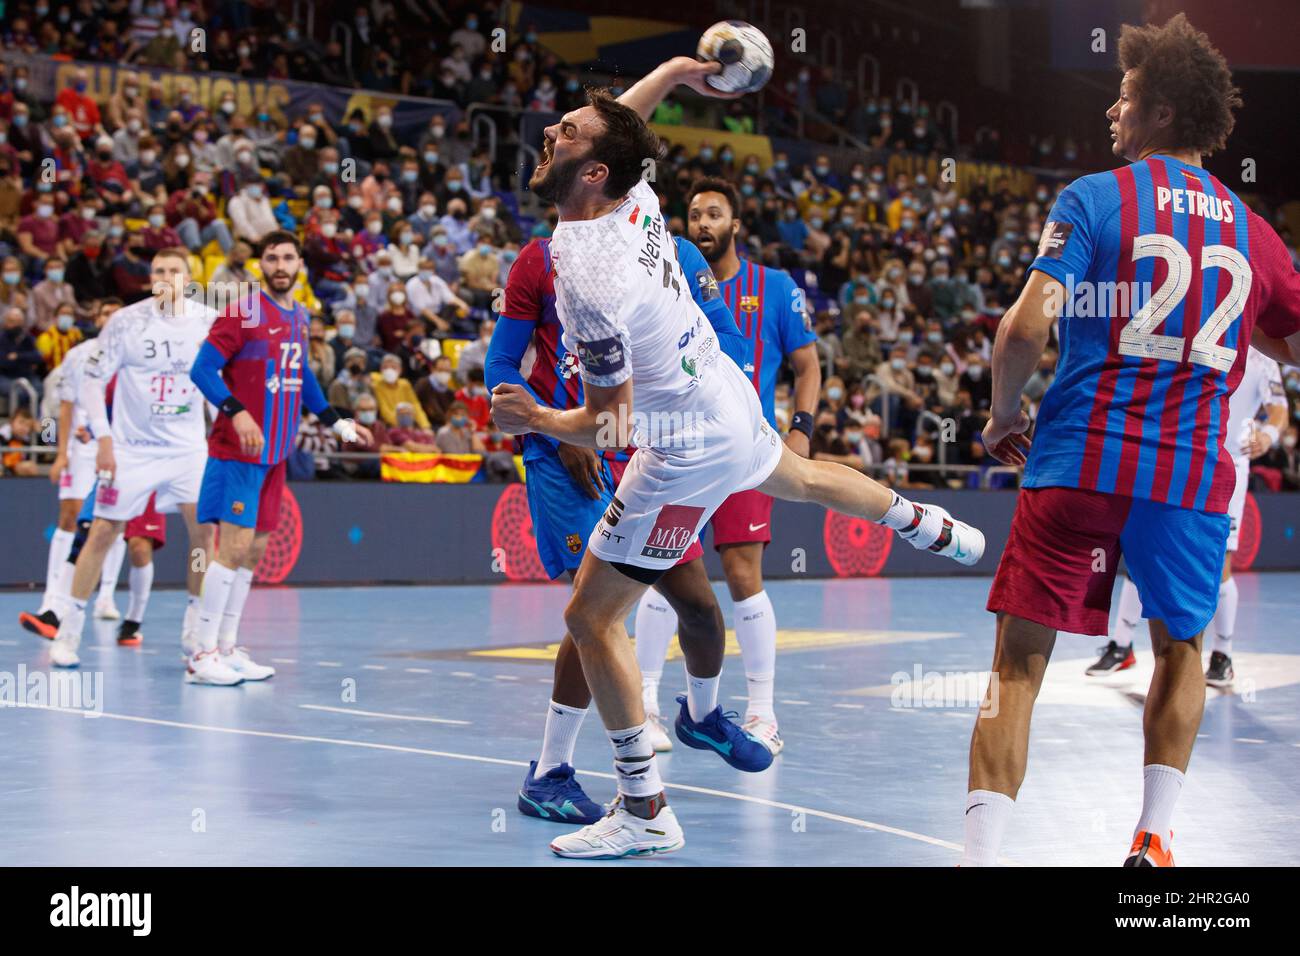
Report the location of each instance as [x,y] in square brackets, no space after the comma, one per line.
[346,429]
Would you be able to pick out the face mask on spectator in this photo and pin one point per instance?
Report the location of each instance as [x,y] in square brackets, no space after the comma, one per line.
[147,156]
[157,220]
[428,210]
[946,368]
[11,278]
[133,126]
[857,401]
[853,437]
[88,213]
[244,156]
[407,237]
[354,202]
[887,304]
[976,372]
[389,375]
[307,142]
[374,227]
[329,230]
[346,331]
[182,160]
[1288,442]
[45,210]
[405,421]
[397,298]
[366,417]
[254,192]
[915,278]
[834,393]
[331,168]
[460,421]
[65,319]
[898,364]
[443,378]
[115,231]
[935,337]
[484,249]
[20,119]
[455,185]
[394,204]
[362,291]
[1004,261]
[54,275]
[410,175]
[324,202]
[385,120]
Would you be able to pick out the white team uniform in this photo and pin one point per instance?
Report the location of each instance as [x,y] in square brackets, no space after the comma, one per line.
[1260,386]
[627,312]
[79,477]
[159,439]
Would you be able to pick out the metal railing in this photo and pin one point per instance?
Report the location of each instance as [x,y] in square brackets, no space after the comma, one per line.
[23,385]
[928,416]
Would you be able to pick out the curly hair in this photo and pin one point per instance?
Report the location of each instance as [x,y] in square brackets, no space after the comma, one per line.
[624,145]
[1175,64]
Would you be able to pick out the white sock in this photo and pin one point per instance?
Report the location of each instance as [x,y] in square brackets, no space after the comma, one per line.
[1160,789]
[701,695]
[987,813]
[755,623]
[1130,613]
[61,599]
[560,737]
[901,514]
[656,622]
[217,582]
[191,613]
[60,546]
[235,608]
[112,569]
[634,762]
[141,585]
[1225,618]
[73,622]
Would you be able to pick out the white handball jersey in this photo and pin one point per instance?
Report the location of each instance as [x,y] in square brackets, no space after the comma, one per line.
[1260,386]
[627,312]
[70,371]
[156,407]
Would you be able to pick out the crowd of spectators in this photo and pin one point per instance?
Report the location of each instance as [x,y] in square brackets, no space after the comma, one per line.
[905,278]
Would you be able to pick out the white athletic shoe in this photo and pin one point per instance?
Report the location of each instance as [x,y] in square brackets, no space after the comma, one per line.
[765,732]
[190,646]
[237,660]
[206,667]
[106,610]
[946,536]
[660,742]
[63,652]
[620,834]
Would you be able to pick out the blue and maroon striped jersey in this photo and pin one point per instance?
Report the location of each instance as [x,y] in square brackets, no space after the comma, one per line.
[768,307]
[1166,276]
[265,348]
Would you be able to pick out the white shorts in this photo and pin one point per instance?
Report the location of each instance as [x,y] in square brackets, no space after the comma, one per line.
[176,479]
[1237,504]
[79,477]
[666,497]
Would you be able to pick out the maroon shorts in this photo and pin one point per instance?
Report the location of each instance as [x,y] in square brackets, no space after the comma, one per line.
[743,518]
[148,524]
[1058,568]
[268,503]
[693,551]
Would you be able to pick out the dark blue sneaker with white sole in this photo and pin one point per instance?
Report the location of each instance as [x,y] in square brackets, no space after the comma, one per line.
[557,796]
[720,733]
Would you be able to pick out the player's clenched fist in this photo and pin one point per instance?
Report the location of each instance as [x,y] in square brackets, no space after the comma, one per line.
[1007,441]
[249,432]
[512,408]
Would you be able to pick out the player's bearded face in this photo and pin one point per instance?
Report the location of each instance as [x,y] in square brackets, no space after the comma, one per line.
[553,179]
[281,272]
[713,237]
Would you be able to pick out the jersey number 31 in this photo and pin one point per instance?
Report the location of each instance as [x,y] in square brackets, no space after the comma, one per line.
[1139,337]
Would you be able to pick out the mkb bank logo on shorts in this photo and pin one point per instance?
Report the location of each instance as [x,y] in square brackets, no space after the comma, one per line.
[673,532]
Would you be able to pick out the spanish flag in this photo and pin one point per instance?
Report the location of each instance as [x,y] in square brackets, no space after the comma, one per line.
[421,468]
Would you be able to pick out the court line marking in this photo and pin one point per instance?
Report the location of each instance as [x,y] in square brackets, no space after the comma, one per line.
[376,713]
[417,670]
[500,761]
[373,667]
[329,663]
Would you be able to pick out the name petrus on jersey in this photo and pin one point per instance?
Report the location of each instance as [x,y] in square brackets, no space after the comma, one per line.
[602,356]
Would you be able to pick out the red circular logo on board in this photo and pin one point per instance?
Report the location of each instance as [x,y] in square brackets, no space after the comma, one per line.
[855,547]
[1247,536]
[513,541]
[285,545]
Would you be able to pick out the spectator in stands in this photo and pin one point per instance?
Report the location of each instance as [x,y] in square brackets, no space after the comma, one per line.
[366,412]
[352,380]
[14,290]
[19,357]
[192,213]
[38,233]
[455,223]
[320,357]
[437,391]
[157,234]
[407,435]
[129,274]
[474,396]
[480,270]
[234,272]
[389,388]
[50,293]
[458,436]
[329,258]
[87,270]
[976,381]
[474,355]
[19,432]
[250,212]
[445,259]
[61,335]
[430,298]
[394,323]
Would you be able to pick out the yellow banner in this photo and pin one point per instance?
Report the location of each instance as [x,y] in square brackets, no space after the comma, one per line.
[420,468]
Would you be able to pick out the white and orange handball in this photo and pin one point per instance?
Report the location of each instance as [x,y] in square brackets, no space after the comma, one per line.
[744,52]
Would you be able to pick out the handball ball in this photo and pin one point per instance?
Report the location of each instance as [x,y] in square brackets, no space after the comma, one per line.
[743,51]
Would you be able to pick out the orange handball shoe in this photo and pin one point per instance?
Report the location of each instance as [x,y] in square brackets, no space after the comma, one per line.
[1150,850]
[45,624]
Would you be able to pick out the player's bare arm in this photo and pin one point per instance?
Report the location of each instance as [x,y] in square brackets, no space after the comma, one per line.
[648,92]
[605,421]
[1267,435]
[61,455]
[1286,351]
[1022,337]
[583,465]
[807,388]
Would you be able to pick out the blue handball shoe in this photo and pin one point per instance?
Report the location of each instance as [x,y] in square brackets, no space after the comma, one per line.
[718,731]
[557,796]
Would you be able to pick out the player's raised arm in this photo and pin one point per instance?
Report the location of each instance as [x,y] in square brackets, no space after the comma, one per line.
[648,92]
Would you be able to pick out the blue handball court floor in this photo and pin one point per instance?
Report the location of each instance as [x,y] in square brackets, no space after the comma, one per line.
[401,721]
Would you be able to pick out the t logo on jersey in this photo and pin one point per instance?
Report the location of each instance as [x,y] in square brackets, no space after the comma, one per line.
[673,532]
[1052,242]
